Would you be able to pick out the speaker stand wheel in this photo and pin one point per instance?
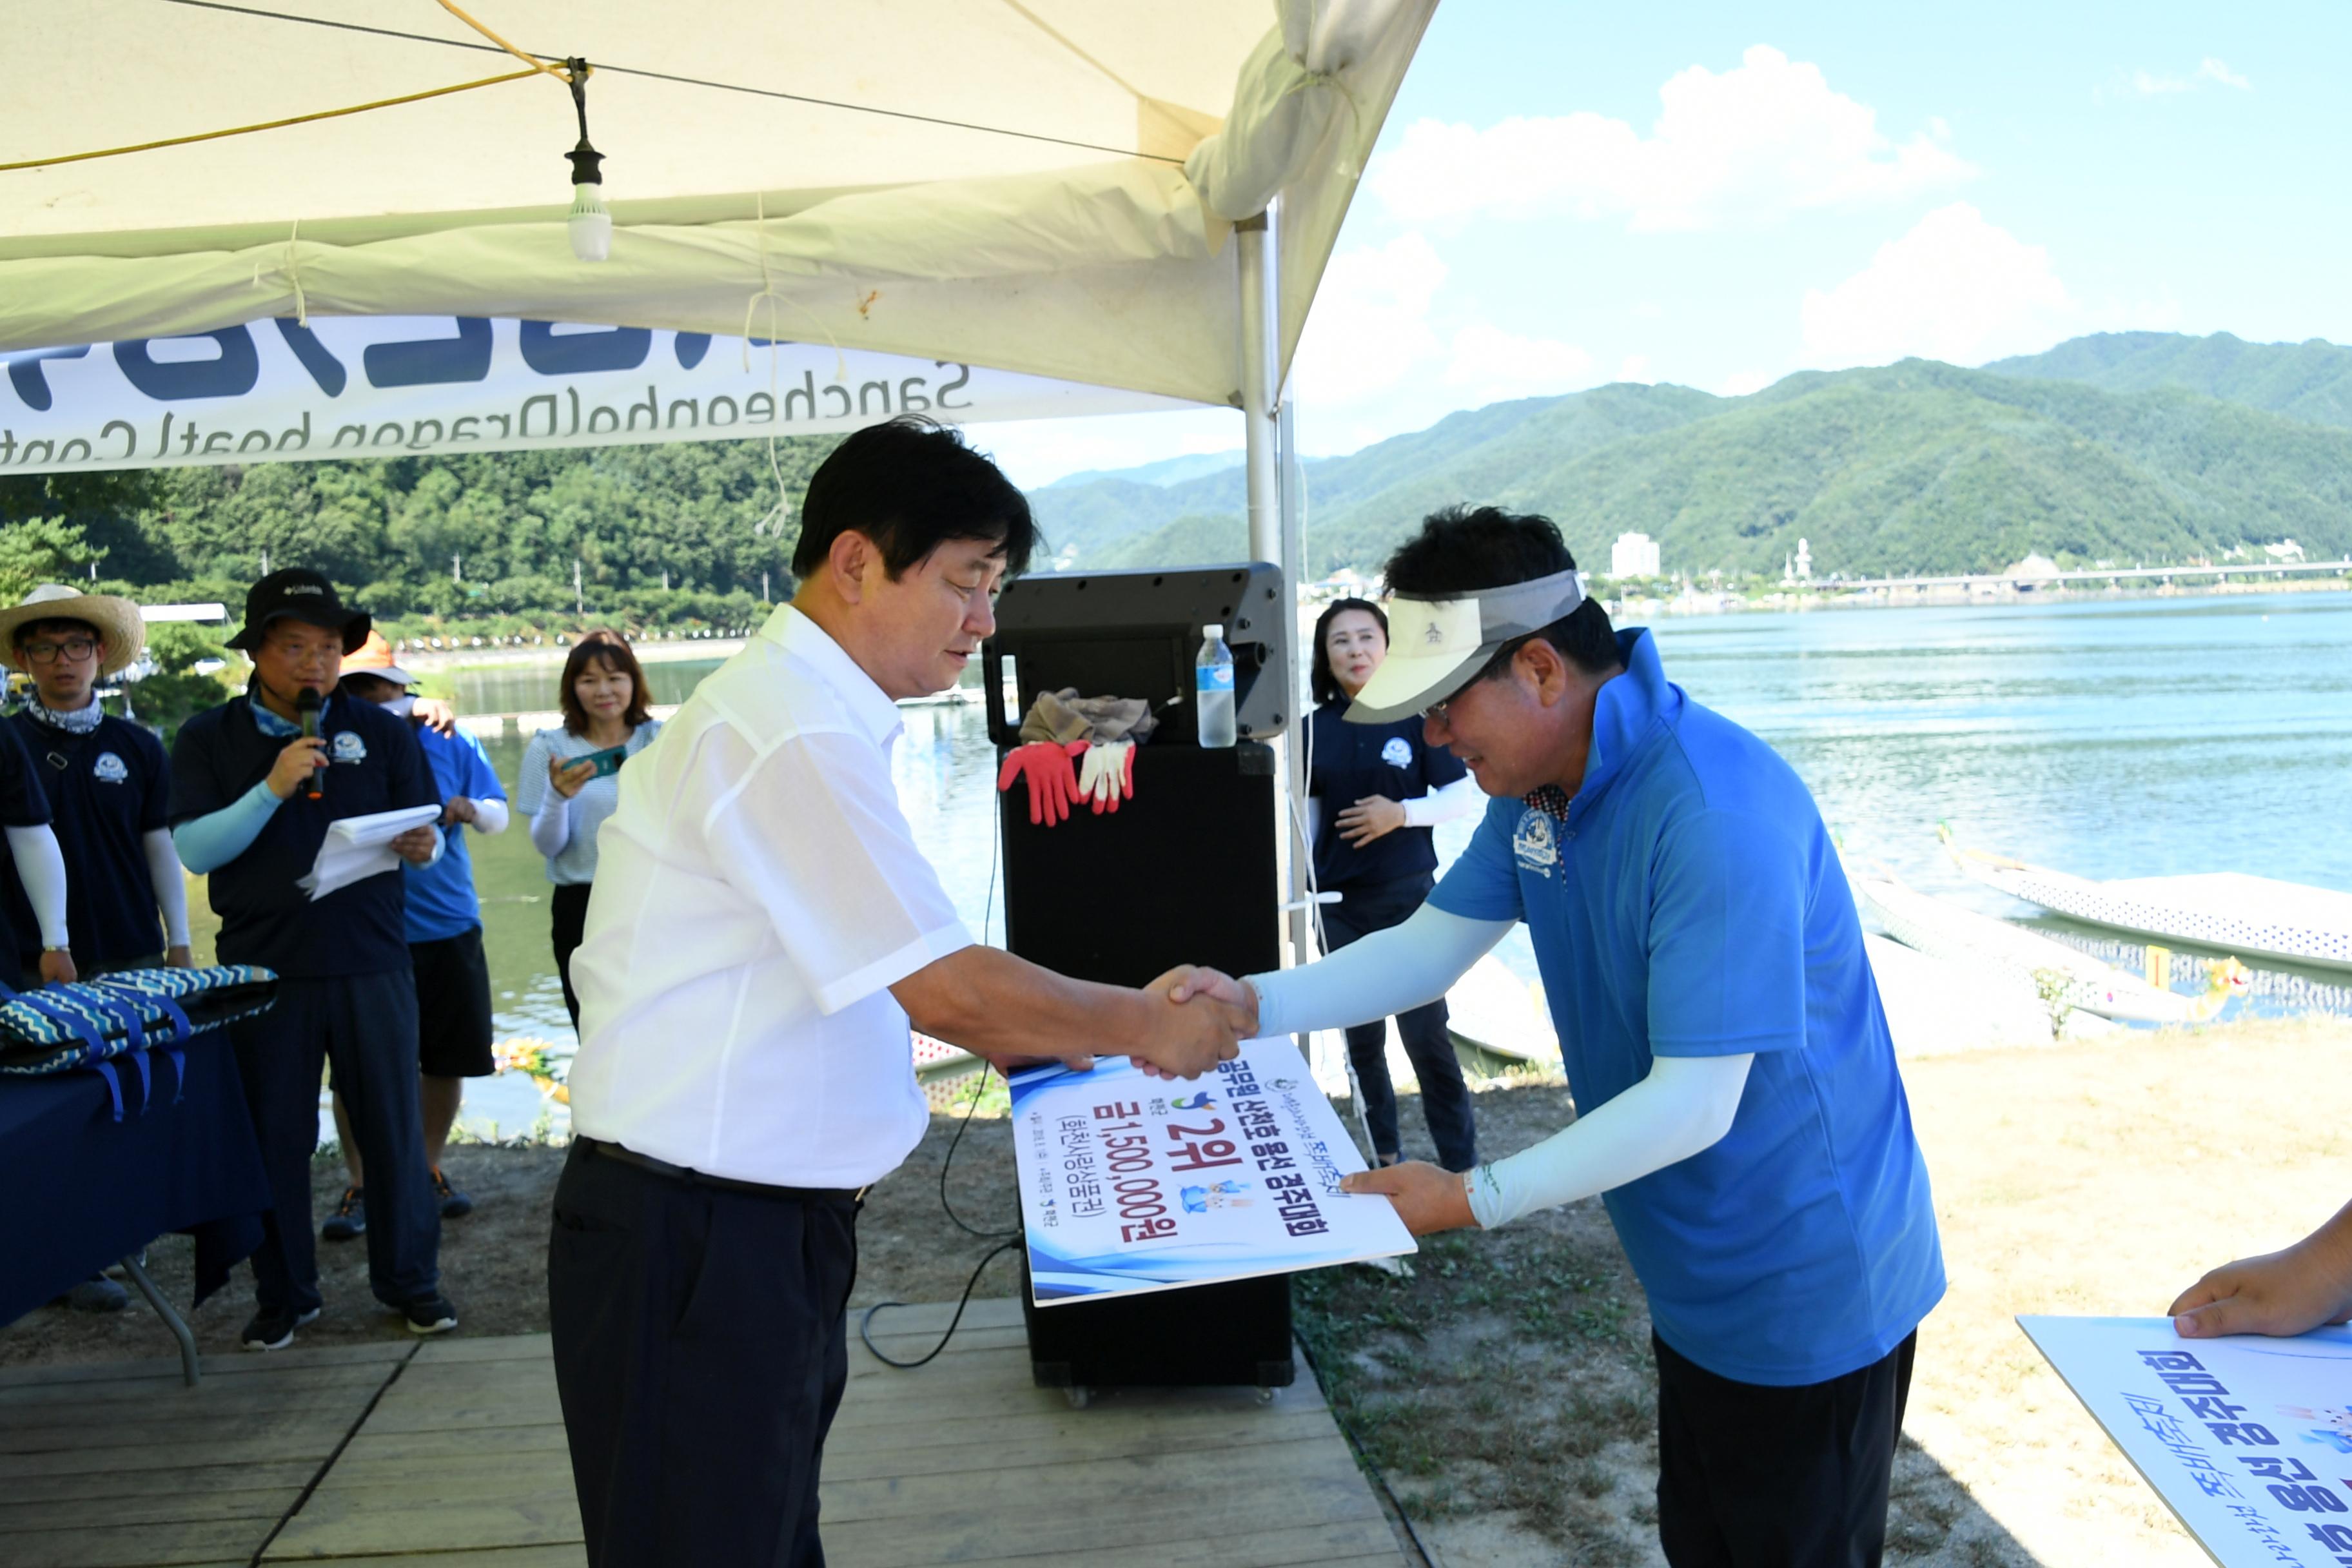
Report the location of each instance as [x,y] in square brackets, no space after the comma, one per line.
[1264,1396]
[1077,1394]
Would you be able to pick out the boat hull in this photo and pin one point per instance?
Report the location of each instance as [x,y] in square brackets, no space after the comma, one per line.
[2143,910]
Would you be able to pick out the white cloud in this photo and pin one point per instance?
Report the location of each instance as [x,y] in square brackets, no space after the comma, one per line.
[2150,84]
[1489,364]
[1369,328]
[1955,287]
[1635,367]
[1034,452]
[1764,139]
[1739,384]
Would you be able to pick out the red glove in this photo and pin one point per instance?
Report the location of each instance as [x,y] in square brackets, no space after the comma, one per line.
[1052,778]
[1108,776]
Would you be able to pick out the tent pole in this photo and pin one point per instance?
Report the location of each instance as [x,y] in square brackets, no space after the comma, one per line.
[1273,519]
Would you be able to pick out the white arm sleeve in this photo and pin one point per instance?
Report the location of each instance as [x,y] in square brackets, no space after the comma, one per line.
[41,866]
[1391,971]
[171,884]
[490,817]
[1459,798]
[551,828]
[1684,1106]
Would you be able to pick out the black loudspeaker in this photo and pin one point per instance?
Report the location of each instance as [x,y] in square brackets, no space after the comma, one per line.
[1183,872]
[1136,633]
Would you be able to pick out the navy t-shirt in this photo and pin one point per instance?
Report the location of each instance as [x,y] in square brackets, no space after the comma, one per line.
[22,804]
[107,788]
[1349,762]
[375,764]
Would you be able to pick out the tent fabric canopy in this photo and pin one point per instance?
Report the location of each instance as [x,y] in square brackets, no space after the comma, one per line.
[1039,186]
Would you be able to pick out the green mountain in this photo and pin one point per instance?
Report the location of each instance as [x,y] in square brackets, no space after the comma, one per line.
[1914,467]
[2308,380]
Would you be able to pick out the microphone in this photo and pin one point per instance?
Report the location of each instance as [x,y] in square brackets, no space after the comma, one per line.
[307,703]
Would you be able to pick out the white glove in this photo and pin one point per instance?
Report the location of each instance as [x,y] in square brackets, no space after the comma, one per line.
[1107,774]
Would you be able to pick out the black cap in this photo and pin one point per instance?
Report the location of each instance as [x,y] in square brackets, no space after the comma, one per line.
[305,595]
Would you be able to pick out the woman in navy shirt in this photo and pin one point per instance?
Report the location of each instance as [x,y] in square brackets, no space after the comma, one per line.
[1374,793]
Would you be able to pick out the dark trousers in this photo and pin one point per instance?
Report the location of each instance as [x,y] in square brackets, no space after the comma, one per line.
[1752,1476]
[366,1026]
[700,1352]
[571,923]
[1445,1098]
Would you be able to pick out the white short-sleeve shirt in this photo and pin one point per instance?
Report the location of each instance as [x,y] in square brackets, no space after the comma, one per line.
[758,890]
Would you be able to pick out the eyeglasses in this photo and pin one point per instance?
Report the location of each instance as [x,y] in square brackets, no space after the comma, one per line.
[73,649]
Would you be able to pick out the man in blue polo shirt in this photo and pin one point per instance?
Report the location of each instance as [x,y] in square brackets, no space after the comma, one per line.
[445,938]
[1739,1107]
[107,779]
[252,797]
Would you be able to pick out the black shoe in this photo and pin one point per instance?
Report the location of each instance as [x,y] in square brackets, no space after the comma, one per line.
[272,1327]
[430,1314]
[348,1222]
[455,1202]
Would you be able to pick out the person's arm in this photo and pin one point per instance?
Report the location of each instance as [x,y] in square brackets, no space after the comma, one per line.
[208,843]
[1461,798]
[551,828]
[994,1005]
[41,868]
[171,893]
[1387,972]
[490,815]
[2281,1293]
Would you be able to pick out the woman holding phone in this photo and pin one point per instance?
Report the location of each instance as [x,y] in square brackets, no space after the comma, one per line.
[1374,791]
[569,785]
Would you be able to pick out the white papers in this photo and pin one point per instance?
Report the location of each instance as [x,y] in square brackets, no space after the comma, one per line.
[1132,1184]
[2248,1439]
[358,847]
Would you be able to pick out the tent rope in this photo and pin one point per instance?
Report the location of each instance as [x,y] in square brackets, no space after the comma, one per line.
[264,125]
[781,512]
[292,271]
[537,66]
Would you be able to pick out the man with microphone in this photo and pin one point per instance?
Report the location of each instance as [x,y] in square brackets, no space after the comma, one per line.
[256,782]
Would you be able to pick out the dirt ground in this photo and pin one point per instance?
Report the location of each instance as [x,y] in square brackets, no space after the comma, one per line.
[1505,1389]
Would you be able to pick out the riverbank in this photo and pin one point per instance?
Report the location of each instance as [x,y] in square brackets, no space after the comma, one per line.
[1504,1388]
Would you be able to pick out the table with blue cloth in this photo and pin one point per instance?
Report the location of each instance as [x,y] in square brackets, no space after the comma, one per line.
[83,1189]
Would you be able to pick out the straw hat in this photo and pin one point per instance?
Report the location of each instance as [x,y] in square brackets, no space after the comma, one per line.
[120,629]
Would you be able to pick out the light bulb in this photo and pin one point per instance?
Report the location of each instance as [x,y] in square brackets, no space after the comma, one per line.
[591,224]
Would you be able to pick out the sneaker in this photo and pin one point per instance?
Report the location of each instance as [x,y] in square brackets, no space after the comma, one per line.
[455,1202]
[430,1314]
[97,1294]
[348,1222]
[272,1327]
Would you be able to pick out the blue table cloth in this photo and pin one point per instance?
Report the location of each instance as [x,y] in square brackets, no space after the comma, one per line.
[78,1189]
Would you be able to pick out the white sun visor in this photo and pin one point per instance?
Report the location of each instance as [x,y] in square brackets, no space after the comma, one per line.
[1438,646]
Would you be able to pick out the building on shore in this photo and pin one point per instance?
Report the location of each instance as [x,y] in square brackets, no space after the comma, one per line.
[1633,555]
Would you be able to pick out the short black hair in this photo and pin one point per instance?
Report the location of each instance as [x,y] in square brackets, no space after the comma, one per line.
[55,626]
[1319,678]
[911,485]
[1461,550]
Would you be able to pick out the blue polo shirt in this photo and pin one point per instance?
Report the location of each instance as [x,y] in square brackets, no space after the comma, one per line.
[1686,902]
[442,902]
[373,764]
[109,789]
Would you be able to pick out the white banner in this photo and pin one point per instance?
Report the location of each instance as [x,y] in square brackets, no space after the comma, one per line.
[1132,1184]
[2248,1439]
[384,387]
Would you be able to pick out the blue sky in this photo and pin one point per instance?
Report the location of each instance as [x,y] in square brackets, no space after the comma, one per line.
[1569,194]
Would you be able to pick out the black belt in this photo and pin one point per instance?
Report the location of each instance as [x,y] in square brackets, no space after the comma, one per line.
[686,1177]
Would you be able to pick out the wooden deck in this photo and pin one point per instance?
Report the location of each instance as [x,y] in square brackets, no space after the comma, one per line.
[450,1454]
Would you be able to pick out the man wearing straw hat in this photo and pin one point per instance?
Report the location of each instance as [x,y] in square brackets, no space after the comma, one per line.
[1739,1109]
[107,779]
[252,798]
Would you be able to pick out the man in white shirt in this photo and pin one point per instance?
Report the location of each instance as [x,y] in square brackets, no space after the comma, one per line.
[763,931]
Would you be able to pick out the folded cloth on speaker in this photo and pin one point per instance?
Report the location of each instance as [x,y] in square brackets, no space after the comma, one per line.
[1066,716]
[61,1027]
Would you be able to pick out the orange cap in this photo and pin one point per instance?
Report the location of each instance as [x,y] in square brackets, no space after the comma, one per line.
[374,656]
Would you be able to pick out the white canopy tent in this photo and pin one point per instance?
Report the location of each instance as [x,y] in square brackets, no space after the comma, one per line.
[1093,190]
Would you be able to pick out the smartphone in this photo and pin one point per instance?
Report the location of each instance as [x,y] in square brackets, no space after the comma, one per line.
[607,761]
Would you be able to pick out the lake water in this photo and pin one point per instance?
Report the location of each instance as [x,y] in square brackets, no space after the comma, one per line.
[2138,737]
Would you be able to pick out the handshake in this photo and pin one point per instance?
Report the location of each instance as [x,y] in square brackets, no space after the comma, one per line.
[1191,1019]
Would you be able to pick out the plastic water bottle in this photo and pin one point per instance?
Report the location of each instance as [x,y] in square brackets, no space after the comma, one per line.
[1213,684]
